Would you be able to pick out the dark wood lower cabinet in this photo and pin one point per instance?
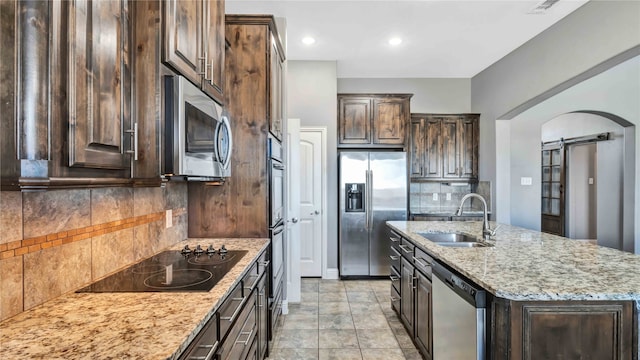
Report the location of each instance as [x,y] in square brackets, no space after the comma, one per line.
[406,293]
[564,330]
[423,326]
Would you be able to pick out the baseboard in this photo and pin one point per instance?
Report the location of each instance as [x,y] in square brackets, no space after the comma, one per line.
[285,307]
[332,274]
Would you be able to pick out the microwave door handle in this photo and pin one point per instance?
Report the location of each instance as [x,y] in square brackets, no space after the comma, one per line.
[227,161]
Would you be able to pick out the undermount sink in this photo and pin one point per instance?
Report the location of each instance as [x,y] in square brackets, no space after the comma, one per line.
[463,244]
[454,239]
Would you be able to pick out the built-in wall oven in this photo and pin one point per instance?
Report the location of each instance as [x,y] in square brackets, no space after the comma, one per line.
[276,230]
[198,135]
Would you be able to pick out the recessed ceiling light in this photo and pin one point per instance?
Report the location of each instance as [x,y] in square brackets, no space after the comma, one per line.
[395,41]
[308,40]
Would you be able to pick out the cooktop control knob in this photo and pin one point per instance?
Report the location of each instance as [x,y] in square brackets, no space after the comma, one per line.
[198,250]
[223,250]
[186,250]
[211,250]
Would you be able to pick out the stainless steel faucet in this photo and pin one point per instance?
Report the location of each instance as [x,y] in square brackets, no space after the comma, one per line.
[487,232]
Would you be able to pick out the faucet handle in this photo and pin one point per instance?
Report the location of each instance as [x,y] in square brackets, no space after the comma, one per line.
[492,232]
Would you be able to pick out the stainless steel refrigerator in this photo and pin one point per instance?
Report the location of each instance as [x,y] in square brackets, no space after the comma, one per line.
[373,190]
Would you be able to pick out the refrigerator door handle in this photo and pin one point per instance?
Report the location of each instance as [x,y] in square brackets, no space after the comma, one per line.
[370,212]
[366,199]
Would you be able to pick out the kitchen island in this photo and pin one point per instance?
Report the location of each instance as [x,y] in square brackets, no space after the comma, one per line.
[542,288]
[147,325]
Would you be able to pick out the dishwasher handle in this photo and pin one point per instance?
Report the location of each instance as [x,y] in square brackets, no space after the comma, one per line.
[465,288]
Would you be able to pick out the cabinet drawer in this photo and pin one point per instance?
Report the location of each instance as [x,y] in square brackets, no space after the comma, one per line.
[240,337]
[422,262]
[263,264]
[230,309]
[205,344]
[253,351]
[406,249]
[395,240]
[395,259]
[250,280]
[395,278]
[395,300]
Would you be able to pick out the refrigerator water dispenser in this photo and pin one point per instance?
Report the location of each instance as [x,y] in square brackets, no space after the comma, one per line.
[355,200]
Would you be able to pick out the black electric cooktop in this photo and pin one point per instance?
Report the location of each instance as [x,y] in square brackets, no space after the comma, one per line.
[174,270]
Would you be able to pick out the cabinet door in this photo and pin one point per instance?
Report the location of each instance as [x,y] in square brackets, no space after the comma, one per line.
[406,294]
[433,148]
[423,325]
[276,116]
[389,121]
[183,36]
[450,146]
[354,121]
[214,44]
[98,84]
[417,148]
[468,146]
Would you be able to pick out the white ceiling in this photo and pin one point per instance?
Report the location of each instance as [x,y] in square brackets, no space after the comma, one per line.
[448,38]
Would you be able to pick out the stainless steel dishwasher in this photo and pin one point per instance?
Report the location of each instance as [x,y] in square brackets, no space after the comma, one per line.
[459,316]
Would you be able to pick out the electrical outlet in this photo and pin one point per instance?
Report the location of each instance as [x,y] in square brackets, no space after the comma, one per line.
[448,196]
[168,218]
[435,196]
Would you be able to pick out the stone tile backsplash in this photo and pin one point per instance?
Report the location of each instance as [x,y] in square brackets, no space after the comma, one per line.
[447,197]
[115,227]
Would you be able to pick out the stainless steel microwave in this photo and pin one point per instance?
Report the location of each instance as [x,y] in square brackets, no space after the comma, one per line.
[197,132]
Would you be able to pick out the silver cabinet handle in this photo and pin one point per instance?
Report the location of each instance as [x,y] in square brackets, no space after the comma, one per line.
[423,264]
[394,299]
[210,353]
[246,342]
[394,278]
[134,139]
[404,248]
[394,257]
[394,239]
[235,313]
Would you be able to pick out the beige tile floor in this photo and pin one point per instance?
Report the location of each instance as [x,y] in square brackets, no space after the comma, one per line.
[343,320]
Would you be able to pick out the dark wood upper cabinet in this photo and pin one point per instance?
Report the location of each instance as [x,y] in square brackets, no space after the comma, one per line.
[99,84]
[276,116]
[373,120]
[354,120]
[444,147]
[240,207]
[194,42]
[390,120]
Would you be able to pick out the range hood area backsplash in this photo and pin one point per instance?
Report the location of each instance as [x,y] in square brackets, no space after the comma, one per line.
[423,201]
[55,242]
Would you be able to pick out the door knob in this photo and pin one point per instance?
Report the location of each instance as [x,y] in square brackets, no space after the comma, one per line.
[294,220]
[316,212]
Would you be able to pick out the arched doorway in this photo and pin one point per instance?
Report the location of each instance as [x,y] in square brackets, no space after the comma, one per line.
[588,174]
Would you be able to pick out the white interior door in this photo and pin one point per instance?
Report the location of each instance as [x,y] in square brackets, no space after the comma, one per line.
[293,211]
[311,202]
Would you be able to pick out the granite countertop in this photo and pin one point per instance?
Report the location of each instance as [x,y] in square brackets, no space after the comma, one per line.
[449,212]
[158,325]
[530,265]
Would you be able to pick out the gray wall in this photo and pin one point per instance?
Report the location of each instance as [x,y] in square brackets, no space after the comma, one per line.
[429,95]
[615,91]
[312,88]
[575,48]
[312,98]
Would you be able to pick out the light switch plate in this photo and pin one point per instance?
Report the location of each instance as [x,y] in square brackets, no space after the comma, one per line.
[526,181]
[448,196]
[590,181]
[168,218]
[435,196]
